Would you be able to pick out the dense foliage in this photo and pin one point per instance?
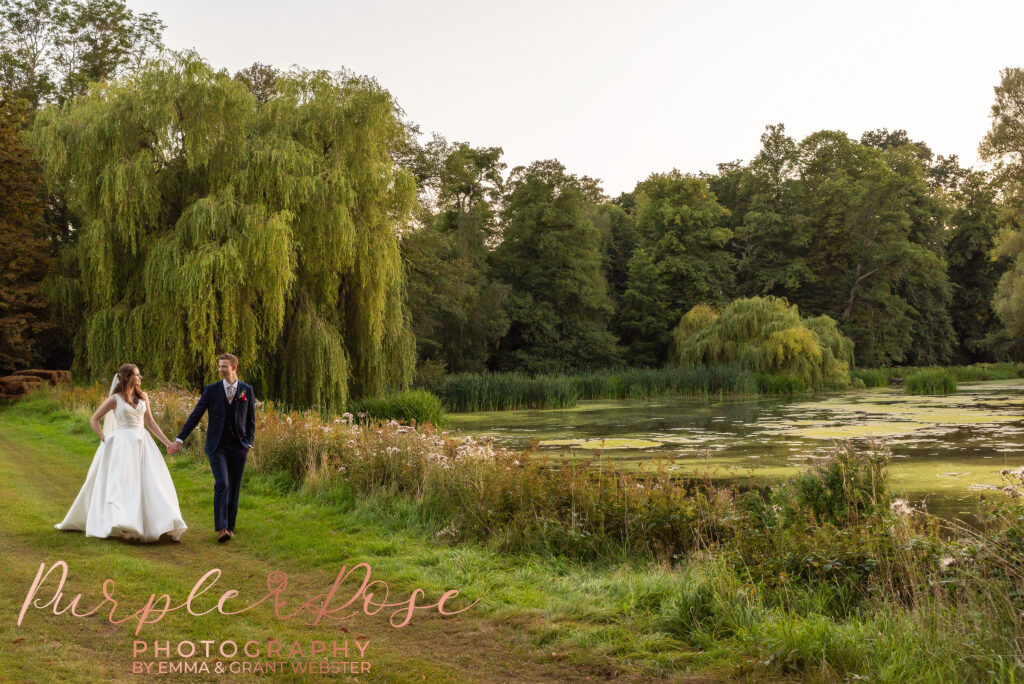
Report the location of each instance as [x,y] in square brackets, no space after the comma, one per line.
[24,255]
[766,335]
[218,222]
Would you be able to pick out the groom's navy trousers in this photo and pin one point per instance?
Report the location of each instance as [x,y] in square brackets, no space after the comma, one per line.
[227,464]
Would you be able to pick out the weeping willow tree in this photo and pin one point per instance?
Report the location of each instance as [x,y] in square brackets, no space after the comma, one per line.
[215,222]
[766,335]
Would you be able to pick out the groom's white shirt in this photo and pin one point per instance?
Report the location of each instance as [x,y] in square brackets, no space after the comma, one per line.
[226,385]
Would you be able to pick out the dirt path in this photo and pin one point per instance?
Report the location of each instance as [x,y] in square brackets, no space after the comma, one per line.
[41,470]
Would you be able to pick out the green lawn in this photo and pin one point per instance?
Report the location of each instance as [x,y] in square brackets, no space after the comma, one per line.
[536,620]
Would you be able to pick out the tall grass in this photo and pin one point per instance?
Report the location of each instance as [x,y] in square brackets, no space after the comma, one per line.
[511,391]
[931,381]
[987,371]
[413,406]
[871,377]
[875,377]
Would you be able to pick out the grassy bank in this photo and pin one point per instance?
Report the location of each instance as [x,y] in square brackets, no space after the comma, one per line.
[880,377]
[824,577]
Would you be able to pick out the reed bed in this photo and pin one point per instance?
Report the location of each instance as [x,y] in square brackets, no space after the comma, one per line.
[511,391]
[931,381]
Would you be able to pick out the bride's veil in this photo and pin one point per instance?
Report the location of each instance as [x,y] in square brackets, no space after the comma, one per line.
[109,420]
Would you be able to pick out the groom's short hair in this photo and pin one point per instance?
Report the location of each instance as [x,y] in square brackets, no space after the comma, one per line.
[230,358]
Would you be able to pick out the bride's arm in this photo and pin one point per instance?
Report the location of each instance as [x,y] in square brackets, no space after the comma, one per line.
[107,405]
[151,423]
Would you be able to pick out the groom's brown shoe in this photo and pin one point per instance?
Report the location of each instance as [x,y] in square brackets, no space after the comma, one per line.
[224,536]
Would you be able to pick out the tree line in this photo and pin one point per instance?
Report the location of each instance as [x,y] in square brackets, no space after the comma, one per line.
[914,256]
[153,206]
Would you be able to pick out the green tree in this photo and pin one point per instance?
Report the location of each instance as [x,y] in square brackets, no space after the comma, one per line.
[973,273]
[211,223]
[852,231]
[1004,145]
[680,227]
[773,240]
[766,335]
[457,309]
[644,307]
[550,256]
[261,80]
[50,50]
[23,252]
[619,240]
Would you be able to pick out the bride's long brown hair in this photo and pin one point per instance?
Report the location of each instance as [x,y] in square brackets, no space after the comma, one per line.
[124,376]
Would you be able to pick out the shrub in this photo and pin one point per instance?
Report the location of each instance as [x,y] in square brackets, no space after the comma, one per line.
[846,486]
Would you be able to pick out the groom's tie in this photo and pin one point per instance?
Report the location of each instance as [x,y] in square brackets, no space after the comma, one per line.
[231,393]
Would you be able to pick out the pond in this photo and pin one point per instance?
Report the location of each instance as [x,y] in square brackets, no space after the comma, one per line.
[947,450]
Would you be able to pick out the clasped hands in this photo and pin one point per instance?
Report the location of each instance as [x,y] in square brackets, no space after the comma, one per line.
[173,448]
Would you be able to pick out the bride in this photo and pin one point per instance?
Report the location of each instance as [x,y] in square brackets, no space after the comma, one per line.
[128,492]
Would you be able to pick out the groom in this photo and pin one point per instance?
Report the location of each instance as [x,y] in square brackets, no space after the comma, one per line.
[229,436]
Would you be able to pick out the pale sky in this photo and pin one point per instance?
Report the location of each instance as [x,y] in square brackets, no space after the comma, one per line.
[619,90]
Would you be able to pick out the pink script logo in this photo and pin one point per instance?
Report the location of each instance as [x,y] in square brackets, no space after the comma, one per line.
[319,606]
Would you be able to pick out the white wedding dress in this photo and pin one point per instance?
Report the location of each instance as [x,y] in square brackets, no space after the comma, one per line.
[128,492]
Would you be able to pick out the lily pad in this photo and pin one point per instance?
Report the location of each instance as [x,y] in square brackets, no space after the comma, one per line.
[619,444]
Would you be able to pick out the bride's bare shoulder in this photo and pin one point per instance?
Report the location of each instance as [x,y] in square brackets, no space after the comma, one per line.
[145,397]
[108,403]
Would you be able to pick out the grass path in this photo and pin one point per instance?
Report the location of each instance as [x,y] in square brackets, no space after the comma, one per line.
[42,466]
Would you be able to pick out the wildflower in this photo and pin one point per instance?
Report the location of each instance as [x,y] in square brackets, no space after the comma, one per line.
[946,561]
[450,531]
[288,420]
[346,418]
[901,507]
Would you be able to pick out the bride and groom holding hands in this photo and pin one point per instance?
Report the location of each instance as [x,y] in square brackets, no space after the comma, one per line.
[128,492]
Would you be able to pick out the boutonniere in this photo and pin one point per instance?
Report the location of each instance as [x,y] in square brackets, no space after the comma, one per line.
[242,397]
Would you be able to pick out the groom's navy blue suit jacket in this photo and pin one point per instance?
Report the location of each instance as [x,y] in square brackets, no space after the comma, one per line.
[215,400]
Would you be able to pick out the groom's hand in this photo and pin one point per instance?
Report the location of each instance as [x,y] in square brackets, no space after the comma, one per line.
[173,448]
